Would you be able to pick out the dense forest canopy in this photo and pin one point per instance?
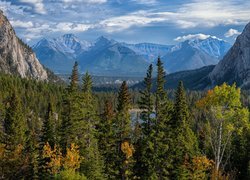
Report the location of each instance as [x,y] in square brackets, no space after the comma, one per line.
[51,131]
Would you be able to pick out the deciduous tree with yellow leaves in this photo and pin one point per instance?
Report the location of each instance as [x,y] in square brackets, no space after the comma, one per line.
[225,118]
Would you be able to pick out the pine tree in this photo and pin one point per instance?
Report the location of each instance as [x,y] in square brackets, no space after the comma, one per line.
[15,137]
[181,113]
[106,138]
[74,79]
[146,103]
[48,130]
[160,138]
[184,144]
[144,149]
[32,148]
[123,131]
[92,166]
[47,137]
[15,124]
[87,84]
[123,116]
[70,111]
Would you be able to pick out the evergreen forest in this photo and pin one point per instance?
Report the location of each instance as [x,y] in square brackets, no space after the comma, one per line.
[58,131]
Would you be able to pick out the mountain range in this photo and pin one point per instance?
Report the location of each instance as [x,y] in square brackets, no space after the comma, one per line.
[233,68]
[108,57]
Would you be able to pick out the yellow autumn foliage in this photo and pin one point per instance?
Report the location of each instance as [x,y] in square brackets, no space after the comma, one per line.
[127,149]
[199,168]
[72,160]
[55,158]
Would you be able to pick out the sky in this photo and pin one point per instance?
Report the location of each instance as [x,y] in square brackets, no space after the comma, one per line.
[132,21]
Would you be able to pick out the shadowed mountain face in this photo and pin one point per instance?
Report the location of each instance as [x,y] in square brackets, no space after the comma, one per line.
[60,54]
[235,66]
[150,51]
[16,57]
[109,57]
[103,57]
[195,53]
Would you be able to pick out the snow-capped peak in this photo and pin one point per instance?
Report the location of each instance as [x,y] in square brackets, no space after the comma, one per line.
[211,45]
[71,42]
[67,44]
[195,37]
[104,40]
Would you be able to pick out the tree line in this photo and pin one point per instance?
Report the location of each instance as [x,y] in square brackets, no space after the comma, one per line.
[56,132]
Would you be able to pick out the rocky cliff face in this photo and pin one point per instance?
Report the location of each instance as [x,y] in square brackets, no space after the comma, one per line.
[15,56]
[235,66]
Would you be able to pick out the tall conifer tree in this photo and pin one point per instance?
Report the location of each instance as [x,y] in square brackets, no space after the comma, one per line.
[184,142]
[15,124]
[74,78]
[146,103]
[123,131]
[161,140]
[47,136]
[144,150]
[48,129]
[70,110]
[107,138]
[92,166]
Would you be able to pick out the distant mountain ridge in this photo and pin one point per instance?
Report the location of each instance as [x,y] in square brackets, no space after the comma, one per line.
[233,68]
[149,50]
[195,53]
[60,53]
[110,58]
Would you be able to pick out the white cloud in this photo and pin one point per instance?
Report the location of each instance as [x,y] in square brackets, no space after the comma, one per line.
[231,32]
[38,30]
[208,13]
[211,13]
[72,27]
[194,36]
[38,4]
[147,2]
[61,15]
[9,8]
[121,23]
[21,24]
[86,1]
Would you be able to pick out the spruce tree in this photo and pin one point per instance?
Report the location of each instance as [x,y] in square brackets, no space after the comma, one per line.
[144,149]
[74,78]
[15,137]
[161,139]
[47,136]
[106,138]
[146,103]
[48,129]
[181,113]
[15,124]
[70,111]
[123,116]
[123,131]
[184,142]
[92,166]
[32,148]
